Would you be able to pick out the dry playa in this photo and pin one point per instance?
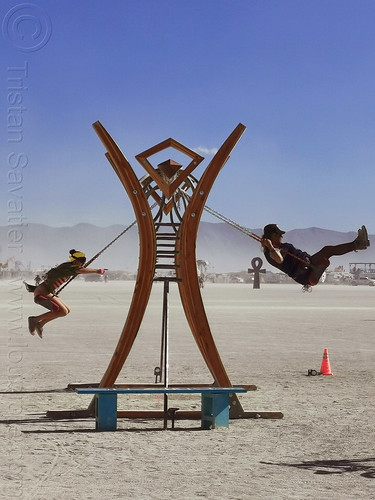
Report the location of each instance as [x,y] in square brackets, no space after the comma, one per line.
[322,449]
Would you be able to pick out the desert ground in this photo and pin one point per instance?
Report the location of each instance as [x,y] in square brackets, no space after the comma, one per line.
[323,447]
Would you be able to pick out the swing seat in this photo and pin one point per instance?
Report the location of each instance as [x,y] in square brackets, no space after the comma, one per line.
[29,288]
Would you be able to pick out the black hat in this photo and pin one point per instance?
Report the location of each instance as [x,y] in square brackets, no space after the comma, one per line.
[271,228]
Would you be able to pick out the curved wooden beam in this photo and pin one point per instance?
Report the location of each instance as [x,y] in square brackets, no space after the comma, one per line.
[186,259]
[147,255]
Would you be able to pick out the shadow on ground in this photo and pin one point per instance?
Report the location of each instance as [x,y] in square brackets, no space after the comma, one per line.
[366,466]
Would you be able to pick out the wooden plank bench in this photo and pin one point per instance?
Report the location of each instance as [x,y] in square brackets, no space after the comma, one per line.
[214,403]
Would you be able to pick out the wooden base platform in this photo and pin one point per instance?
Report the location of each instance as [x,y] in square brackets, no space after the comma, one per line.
[154,414]
[157,414]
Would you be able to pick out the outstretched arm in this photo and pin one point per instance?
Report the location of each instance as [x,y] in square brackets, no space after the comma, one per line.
[87,270]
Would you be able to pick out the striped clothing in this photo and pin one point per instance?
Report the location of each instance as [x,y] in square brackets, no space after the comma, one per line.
[59,275]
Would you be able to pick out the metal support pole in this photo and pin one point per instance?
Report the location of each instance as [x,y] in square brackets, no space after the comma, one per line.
[165,366]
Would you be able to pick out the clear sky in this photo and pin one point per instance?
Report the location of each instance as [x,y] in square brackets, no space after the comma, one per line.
[299,74]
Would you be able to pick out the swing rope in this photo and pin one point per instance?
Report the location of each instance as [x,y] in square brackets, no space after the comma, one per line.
[97,255]
[245,230]
[102,250]
[305,288]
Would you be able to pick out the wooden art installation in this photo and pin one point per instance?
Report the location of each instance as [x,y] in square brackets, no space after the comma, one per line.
[167,241]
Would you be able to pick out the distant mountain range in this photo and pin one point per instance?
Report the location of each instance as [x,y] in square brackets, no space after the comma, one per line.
[224,247]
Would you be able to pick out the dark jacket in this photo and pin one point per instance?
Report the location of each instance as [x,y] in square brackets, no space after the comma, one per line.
[292,266]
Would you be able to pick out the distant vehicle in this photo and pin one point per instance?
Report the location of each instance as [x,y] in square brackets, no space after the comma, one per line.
[364,280]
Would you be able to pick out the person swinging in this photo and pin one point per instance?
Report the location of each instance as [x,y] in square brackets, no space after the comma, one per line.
[45,293]
[304,268]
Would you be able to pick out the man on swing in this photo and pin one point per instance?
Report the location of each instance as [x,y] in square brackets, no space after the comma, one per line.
[304,268]
[45,294]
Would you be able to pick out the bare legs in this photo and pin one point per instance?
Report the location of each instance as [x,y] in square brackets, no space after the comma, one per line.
[59,310]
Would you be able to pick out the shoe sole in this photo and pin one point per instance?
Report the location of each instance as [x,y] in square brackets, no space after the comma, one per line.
[365,234]
[39,331]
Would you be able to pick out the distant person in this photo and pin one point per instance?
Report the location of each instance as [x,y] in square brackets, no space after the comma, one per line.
[45,293]
[304,268]
[38,279]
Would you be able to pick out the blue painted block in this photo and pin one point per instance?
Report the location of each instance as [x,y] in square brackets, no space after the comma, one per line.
[106,412]
[215,403]
[215,410]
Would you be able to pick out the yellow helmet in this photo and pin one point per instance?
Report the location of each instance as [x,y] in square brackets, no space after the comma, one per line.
[74,255]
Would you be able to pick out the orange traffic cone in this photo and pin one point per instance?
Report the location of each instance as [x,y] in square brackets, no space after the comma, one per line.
[325,369]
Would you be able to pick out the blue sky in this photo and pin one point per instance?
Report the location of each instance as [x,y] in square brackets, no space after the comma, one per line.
[299,74]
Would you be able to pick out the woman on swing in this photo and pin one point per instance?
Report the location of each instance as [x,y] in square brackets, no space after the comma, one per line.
[45,293]
[304,268]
